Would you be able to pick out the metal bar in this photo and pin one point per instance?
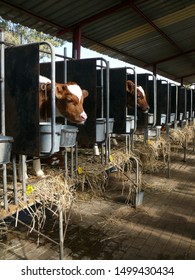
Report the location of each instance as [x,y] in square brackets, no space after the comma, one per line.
[76,46]
[53,107]
[61,235]
[107,156]
[65,65]
[5,187]
[135,100]
[107,147]
[23,160]
[176,104]
[191,104]
[15,179]
[169,160]
[65,163]
[76,157]
[168,103]
[71,162]
[155,100]
[2,48]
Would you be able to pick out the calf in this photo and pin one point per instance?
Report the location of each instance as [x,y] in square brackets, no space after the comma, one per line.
[69,104]
[142,104]
[69,101]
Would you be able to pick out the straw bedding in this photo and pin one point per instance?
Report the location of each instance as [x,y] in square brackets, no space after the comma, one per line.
[55,193]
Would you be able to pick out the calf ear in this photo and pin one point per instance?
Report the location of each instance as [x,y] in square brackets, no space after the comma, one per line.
[85,93]
[60,91]
[130,86]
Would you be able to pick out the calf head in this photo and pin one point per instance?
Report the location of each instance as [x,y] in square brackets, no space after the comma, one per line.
[69,101]
[142,104]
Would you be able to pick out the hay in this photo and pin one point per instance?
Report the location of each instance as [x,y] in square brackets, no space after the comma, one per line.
[95,174]
[153,155]
[180,136]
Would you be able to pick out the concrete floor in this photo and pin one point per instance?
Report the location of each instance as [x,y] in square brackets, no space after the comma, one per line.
[163,227]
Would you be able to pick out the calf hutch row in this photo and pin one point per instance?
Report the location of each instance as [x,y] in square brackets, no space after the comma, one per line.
[83,120]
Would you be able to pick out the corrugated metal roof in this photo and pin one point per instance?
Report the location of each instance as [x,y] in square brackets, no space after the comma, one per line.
[148,33]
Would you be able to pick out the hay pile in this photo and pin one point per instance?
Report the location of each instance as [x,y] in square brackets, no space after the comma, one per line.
[181,135]
[53,191]
[94,174]
[153,155]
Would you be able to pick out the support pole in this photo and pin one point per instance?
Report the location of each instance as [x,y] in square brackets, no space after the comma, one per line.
[61,235]
[76,47]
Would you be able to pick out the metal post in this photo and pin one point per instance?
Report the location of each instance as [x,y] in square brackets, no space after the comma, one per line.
[15,179]
[2,48]
[5,187]
[169,160]
[61,235]
[76,157]
[23,159]
[71,162]
[65,163]
[185,149]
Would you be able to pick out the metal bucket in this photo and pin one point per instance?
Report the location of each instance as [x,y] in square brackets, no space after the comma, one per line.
[45,137]
[163,118]
[180,116]
[68,136]
[100,129]
[172,117]
[150,118]
[129,123]
[5,148]
[111,125]
[139,198]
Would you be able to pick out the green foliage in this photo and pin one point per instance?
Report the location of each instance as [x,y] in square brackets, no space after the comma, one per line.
[17,34]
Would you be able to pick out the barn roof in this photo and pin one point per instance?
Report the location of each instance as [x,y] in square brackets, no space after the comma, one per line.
[152,34]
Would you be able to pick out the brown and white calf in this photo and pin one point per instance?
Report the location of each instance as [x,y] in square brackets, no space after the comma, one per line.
[142,104]
[69,104]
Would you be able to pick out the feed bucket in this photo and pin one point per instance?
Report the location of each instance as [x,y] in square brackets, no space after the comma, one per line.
[45,137]
[5,148]
[68,136]
[111,125]
[172,117]
[163,118]
[150,118]
[129,123]
[100,129]
[139,198]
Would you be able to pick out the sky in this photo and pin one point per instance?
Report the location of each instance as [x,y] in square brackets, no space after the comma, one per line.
[114,63]
[86,53]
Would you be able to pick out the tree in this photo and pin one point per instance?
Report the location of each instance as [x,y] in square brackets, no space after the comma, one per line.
[17,34]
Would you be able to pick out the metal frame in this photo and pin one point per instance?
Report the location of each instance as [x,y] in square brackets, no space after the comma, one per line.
[2,80]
